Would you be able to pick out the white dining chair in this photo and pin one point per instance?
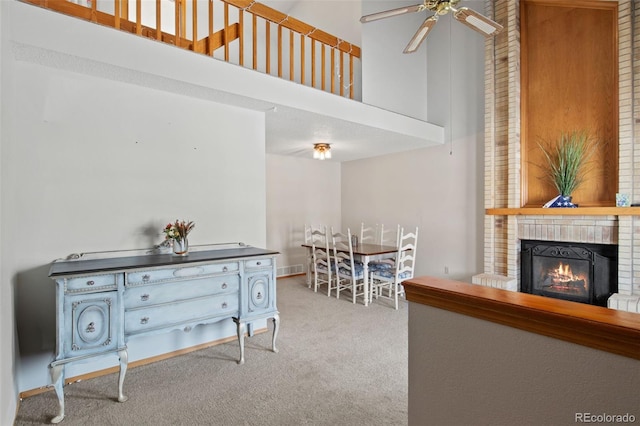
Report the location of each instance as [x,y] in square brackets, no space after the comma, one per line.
[369,234]
[387,237]
[308,230]
[321,259]
[349,274]
[387,282]
[307,233]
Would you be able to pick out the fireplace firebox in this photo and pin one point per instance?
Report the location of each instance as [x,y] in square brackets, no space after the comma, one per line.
[580,272]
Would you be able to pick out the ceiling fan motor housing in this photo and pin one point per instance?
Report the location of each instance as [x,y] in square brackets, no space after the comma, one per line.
[441,7]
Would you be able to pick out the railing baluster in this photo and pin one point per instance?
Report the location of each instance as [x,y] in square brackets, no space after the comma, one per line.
[177,23]
[313,62]
[324,67]
[333,70]
[183,19]
[226,34]
[124,10]
[302,58]
[254,41]
[341,74]
[291,56]
[194,23]
[210,46]
[267,36]
[241,37]
[116,14]
[350,76]
[279,50]
[94,11]
[158,20]
[139,17]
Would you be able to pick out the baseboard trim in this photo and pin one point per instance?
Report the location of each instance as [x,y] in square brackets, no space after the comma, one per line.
[292,275]
[138,363]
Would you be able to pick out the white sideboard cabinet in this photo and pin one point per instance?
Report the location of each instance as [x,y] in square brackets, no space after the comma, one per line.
[103,299]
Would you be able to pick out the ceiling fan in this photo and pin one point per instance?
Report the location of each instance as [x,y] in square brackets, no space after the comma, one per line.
[469,17]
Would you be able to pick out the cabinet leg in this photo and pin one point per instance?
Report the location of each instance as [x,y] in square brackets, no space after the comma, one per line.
[124,362]
[57,378]
[241,331]
[276,327]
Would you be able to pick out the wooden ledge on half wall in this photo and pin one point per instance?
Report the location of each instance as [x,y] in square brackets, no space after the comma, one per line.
[593,326]
[559,211]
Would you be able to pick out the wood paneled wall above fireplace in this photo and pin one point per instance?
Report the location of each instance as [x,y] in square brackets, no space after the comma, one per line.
[569,76]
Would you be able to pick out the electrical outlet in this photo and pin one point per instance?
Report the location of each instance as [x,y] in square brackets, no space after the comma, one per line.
[446,269]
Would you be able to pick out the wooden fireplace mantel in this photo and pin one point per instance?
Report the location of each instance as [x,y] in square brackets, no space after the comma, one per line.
[580,211]
[593,326]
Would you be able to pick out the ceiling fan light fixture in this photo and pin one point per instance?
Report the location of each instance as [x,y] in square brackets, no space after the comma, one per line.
[421,34]
[478,22]
[321,151]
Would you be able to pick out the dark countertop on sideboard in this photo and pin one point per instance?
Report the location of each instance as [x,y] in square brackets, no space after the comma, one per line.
[81,266]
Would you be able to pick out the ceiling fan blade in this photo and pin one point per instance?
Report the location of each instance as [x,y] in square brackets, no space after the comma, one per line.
[477,22]
[392,12]
[421,34]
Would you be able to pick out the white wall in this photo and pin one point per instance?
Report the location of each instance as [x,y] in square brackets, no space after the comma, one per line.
[438,189]
[299,192]
[8,351]
[391,79]
[93,159]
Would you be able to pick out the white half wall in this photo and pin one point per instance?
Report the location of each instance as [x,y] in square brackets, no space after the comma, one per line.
[466,371]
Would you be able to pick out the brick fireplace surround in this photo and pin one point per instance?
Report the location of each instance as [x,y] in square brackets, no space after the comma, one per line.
[503,232]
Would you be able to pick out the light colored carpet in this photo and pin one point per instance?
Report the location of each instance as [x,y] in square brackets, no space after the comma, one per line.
[339,364]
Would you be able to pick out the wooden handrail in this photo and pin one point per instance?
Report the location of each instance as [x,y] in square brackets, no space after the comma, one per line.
[593,326]
[230,32]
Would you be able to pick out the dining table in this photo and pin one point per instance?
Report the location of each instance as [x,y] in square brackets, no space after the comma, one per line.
[365,253]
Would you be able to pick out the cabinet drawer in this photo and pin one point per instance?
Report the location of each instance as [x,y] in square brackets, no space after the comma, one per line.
[159,275]
[171,315]
[91,283]
[259,263]
[154,294]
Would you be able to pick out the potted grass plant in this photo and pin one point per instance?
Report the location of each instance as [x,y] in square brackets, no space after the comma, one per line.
[567,160]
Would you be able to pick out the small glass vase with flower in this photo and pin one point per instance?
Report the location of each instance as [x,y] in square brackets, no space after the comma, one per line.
[177,232]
